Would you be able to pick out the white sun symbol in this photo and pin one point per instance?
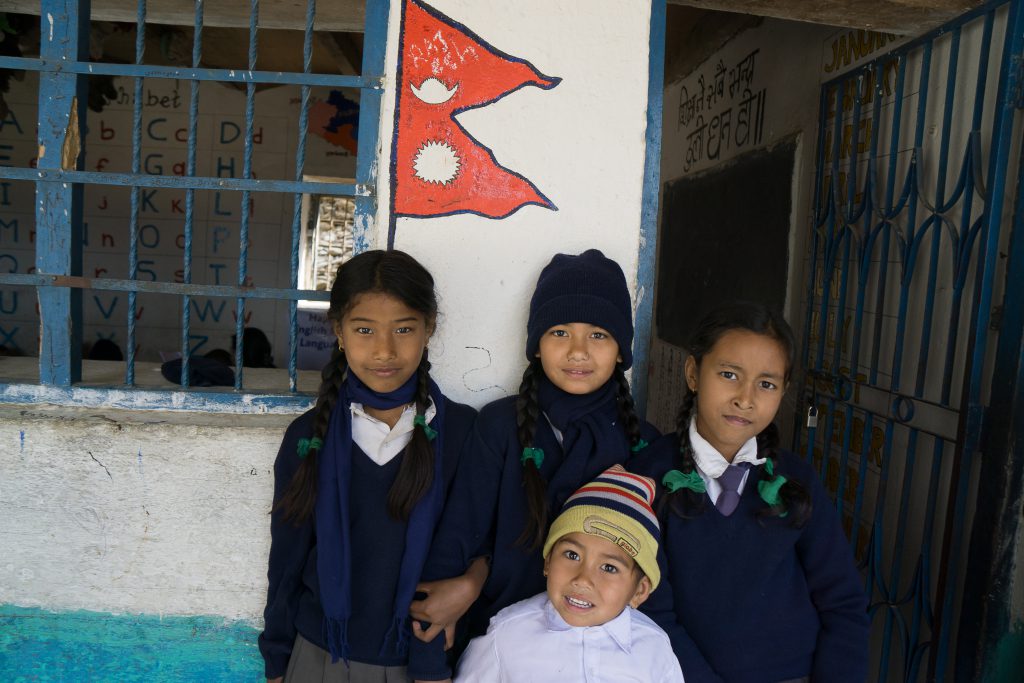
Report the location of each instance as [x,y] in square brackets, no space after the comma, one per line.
[436,162]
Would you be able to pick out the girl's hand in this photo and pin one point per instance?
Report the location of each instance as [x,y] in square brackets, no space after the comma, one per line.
[279,679]
[447,600]
[431,633]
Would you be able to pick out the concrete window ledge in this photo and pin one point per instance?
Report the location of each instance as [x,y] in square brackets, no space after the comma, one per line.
[265,390]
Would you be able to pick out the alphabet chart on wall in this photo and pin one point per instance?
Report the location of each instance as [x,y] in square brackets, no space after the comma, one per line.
[162,213]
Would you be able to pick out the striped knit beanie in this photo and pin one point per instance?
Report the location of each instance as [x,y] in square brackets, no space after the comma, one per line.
[615,506]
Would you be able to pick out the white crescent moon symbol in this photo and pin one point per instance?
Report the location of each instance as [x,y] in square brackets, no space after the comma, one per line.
[433,91]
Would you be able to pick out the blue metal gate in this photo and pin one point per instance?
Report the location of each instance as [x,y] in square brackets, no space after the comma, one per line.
[913,188]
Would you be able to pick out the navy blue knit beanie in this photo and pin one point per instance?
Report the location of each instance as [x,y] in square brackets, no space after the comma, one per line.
[588,288]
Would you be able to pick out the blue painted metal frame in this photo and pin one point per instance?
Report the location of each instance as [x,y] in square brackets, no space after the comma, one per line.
[973,404]
[47,65]
[185,182]
[181,289]
[990,572]
[649,208]
[60,180]
[860,233]
[369,120]
[193,119]
[133,222]
[243,233]
[62,99]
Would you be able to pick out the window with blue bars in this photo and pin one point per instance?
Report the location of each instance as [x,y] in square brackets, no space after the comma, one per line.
[164,185]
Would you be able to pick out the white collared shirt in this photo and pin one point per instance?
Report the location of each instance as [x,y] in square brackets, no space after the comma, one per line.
[711,464]
[559,437]
[529,642]
[380,442]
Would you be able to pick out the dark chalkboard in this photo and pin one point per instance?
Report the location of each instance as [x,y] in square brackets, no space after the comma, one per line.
[724,236]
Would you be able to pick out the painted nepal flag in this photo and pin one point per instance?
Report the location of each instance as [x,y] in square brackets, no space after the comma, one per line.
[437,168]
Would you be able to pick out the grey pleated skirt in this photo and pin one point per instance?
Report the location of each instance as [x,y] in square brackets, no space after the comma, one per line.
[310,664]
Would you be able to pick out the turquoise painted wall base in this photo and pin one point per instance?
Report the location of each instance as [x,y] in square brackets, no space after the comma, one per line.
[38,645]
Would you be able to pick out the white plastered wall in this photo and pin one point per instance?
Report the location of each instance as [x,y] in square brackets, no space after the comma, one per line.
[136,512]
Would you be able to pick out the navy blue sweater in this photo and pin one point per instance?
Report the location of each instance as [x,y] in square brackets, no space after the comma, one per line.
[754,600]
[485,515]
[293,596]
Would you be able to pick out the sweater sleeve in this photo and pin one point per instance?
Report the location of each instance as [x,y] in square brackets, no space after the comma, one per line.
[289,549]
[462,535]
[653,462]
[467,525]
[660,607]
[837,591]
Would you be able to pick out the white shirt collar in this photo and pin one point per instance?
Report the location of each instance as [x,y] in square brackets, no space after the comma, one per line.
[711,462]
[380,442]
[618,629]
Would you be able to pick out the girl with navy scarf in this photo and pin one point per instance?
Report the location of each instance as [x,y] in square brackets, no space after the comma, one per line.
[572,419]
[359,484]
[761,586]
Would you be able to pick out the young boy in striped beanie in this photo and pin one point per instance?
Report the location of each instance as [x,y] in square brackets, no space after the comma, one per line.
[600,560]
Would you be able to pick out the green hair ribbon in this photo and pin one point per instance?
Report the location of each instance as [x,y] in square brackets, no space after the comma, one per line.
[534,454]
[421,421]
[769,490]
[675,480]
[306,445]
[640,445]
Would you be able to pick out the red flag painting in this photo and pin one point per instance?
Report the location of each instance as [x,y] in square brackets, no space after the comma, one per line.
[438,168]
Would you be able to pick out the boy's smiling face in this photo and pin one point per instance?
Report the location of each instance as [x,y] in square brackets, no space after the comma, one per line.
[591,580]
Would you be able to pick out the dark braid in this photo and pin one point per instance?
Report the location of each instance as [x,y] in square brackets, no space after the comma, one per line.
[627,410]
[527,414]
[685,502]
[416,472]
[796,500]
[300,496]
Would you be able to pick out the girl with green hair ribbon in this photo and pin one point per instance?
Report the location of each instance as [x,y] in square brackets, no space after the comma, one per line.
[760,583]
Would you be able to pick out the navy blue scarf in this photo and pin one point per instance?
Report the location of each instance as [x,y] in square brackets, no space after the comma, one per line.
[334,553]
[592,438]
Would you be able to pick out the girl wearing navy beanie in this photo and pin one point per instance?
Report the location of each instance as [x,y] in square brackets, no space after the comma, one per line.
[572,419]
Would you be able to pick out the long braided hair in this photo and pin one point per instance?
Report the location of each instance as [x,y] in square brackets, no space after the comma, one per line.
[527,414]
[398,275]
[759,319]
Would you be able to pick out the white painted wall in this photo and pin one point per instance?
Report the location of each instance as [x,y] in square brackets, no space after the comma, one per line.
[136,512]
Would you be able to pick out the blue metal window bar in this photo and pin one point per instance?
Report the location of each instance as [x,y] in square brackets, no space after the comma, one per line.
[59,179]
[911,193]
